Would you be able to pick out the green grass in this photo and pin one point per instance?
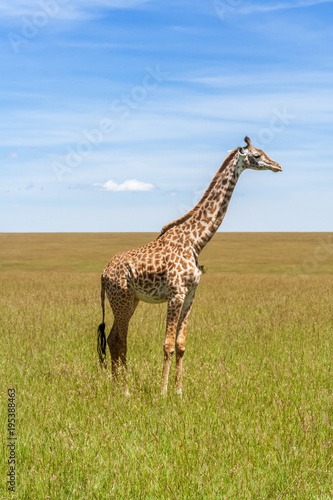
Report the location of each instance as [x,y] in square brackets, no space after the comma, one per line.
[255,421]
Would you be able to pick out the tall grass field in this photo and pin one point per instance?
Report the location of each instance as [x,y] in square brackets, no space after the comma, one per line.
[255,420]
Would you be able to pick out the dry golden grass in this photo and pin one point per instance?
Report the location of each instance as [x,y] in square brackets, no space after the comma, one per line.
[290,253]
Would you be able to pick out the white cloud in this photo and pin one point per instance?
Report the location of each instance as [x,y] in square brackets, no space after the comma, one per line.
[253,8]
[64,9]
[259,79]
[128,185]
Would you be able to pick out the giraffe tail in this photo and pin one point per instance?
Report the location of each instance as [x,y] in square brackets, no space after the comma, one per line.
[101,339]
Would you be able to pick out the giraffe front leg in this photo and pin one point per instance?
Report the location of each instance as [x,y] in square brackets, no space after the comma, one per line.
[173,314]
[181,339]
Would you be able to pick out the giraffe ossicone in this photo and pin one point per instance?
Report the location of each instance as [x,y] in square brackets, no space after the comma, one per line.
[167,268]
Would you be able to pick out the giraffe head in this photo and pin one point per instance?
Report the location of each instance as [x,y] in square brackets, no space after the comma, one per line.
[250,157]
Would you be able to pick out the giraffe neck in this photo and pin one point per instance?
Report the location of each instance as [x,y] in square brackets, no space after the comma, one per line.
[208,214]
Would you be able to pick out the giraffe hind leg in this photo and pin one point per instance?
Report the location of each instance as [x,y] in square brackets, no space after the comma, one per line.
[117,340]
[114,346]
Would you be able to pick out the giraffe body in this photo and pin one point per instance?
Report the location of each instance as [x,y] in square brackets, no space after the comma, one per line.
[152,273]
[167,269]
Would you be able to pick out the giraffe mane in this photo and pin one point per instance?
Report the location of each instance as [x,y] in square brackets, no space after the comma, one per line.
[211,186]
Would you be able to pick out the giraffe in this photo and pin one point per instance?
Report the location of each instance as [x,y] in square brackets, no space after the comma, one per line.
[167,268]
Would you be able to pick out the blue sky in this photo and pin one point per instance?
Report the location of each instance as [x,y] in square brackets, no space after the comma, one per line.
[115,114]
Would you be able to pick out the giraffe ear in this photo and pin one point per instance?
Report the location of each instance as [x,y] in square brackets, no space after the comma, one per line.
[241,151]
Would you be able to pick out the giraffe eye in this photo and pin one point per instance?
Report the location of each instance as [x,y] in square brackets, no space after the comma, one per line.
[256,156]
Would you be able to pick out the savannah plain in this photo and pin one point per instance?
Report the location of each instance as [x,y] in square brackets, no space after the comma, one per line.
[255,420]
